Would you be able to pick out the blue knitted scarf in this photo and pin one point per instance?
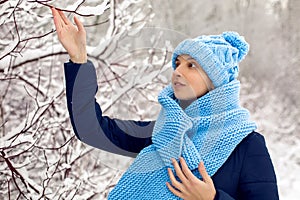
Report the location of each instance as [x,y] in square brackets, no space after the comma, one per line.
[208,130]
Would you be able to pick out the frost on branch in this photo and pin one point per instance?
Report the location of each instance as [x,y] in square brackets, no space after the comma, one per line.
[40,158]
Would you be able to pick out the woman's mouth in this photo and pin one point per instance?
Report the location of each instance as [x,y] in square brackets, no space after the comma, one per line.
[178,84]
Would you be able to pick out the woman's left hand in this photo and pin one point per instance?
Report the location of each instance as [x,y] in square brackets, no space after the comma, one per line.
[190,187]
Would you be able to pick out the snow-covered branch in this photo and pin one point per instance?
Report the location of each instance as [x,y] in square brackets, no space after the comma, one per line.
[40,157]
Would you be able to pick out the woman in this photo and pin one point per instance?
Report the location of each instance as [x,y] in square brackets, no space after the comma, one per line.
[201,122]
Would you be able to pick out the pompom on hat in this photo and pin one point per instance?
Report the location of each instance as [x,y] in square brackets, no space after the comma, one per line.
[218,55]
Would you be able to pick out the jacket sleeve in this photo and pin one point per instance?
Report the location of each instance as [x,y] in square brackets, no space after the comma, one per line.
[124,137]
[221,195]
[257,178]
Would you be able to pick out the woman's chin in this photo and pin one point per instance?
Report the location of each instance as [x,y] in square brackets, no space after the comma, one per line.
[182,97]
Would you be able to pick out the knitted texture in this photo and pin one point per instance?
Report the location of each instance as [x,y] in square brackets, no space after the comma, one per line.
[218,55]
[209,129]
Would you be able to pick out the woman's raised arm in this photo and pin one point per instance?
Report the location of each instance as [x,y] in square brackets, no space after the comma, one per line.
[125,137]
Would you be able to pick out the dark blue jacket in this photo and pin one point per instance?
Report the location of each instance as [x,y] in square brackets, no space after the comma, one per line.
[248,174]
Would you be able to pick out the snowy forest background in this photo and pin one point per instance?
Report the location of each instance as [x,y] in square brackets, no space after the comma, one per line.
[130,43]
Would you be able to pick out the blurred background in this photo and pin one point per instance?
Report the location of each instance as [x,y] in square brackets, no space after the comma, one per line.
[130,43]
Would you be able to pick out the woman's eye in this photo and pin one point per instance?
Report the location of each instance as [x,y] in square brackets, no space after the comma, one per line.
[192,65]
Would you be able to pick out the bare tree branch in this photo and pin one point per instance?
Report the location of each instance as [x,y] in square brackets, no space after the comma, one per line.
[36,134]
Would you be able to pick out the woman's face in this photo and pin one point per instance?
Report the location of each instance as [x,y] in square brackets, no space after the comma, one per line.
[189,81]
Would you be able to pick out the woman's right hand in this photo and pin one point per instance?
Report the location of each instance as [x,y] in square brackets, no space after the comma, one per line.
[73,38]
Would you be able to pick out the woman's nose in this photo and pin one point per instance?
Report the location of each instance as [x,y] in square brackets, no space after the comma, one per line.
[177,73]
[179,70]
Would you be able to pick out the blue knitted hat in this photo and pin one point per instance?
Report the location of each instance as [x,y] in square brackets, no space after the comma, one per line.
[218,55]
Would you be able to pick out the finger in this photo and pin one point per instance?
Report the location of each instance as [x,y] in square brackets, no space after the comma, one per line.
[78,24]
[64,18]
[178,171]
[204,174]
[174,191]
[174,182]
[56,19]
[186,169]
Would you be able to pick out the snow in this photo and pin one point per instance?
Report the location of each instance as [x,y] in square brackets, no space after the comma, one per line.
[83,171]
[95,10]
